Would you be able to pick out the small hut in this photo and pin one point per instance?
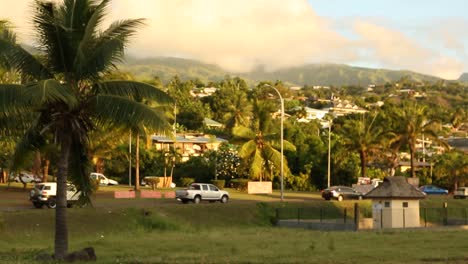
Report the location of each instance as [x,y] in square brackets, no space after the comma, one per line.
[395,204]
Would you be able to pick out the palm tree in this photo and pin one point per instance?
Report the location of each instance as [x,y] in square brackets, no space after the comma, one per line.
[63,95]
[259,147]
[363,136]
[409,123]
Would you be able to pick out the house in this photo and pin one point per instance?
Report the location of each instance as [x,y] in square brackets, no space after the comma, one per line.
[344,107]
[188,144]
[395,204]
[210,123]
[311,113]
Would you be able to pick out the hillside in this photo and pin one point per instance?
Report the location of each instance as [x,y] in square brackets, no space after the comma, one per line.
[313,74]
[463,77]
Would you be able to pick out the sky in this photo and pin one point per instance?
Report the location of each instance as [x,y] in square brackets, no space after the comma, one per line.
[426,36]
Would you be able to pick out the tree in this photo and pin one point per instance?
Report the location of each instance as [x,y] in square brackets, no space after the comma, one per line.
[260,147]
[62,93]
[451,168]
[361,134]
[409,122]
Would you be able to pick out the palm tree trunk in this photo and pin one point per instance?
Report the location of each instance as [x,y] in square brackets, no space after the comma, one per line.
[412,147]
[363,157]
[45,170]
[137,163]
[61,229]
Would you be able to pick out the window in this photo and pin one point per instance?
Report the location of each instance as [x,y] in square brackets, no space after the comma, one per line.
[213,188]
[387,204]
[194,187]
[405,204]
[205,187]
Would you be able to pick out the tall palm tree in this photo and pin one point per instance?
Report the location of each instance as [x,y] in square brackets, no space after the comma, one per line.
[259,146]
[63,95]
[361,135]
[410,122]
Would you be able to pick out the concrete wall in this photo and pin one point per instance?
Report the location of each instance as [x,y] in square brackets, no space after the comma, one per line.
[396,213]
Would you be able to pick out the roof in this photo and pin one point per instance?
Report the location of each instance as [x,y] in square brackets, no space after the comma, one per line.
[395,187]
[187,139]
[211,123]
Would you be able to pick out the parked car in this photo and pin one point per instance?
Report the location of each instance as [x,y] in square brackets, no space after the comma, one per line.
[103,180]
[432,189]
[197,192]
[45,194]
[461,193]
[25,177]
[340,193]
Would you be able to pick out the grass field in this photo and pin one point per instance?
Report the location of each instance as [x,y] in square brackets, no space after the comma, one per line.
[165,231]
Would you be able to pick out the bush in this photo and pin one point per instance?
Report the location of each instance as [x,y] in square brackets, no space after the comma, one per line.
[186,181]
[219,183]
[239,184]
[153,181]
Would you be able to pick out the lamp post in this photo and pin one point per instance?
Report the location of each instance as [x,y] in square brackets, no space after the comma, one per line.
[281,138]
[329,152]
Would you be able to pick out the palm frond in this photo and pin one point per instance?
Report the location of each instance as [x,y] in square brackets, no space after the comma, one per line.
[134,90]
[108,48]
[256,167]
[19,59]
[50,91]
[30,142]
[80,168]
[242,132]
[247,149]
[11,100]
[120,111]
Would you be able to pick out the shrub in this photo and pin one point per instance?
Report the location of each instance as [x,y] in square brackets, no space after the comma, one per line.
[186,181]
[239,184]
[153,181]
[219,183]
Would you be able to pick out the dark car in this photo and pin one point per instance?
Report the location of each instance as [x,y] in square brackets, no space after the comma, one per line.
[432,189]
[340,193]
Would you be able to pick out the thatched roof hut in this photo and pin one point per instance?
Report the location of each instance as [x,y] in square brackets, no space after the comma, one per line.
[396,188]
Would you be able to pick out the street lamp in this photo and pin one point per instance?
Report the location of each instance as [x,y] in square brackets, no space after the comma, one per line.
[282,157]
[329,151]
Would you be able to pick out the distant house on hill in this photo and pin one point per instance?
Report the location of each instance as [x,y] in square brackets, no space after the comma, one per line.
[210,123]
[188,144]
[344,107]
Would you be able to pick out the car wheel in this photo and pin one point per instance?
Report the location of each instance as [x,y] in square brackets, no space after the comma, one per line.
[51,203]
[224,199]
[197,199]
[38,205]
[340,198]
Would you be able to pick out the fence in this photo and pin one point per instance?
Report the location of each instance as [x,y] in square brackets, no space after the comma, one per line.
[354,218]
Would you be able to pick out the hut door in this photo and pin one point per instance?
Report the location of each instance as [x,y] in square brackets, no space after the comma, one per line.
[377,215]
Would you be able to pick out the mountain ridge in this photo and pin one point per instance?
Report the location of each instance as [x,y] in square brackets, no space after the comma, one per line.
[309,74]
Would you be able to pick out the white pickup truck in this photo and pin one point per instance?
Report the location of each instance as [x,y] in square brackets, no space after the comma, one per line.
[198,192]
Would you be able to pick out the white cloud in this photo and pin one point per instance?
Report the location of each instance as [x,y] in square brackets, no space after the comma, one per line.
[241,34]
[236,34]
[396,50]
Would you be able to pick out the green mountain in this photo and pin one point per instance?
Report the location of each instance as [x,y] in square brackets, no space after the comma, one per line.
[312,74]
[463,77]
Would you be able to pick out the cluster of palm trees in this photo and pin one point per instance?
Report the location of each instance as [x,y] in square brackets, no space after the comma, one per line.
[386,132]
[61,97]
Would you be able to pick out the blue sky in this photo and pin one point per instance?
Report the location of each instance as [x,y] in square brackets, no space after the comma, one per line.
[429,36]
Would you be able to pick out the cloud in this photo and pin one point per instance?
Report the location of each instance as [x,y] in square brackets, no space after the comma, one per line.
[396,50]
[236,34]
[239,35]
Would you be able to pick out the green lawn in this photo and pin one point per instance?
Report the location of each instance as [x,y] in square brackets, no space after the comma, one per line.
[165,231]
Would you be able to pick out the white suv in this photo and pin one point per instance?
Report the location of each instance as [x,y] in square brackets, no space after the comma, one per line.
[45,194]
